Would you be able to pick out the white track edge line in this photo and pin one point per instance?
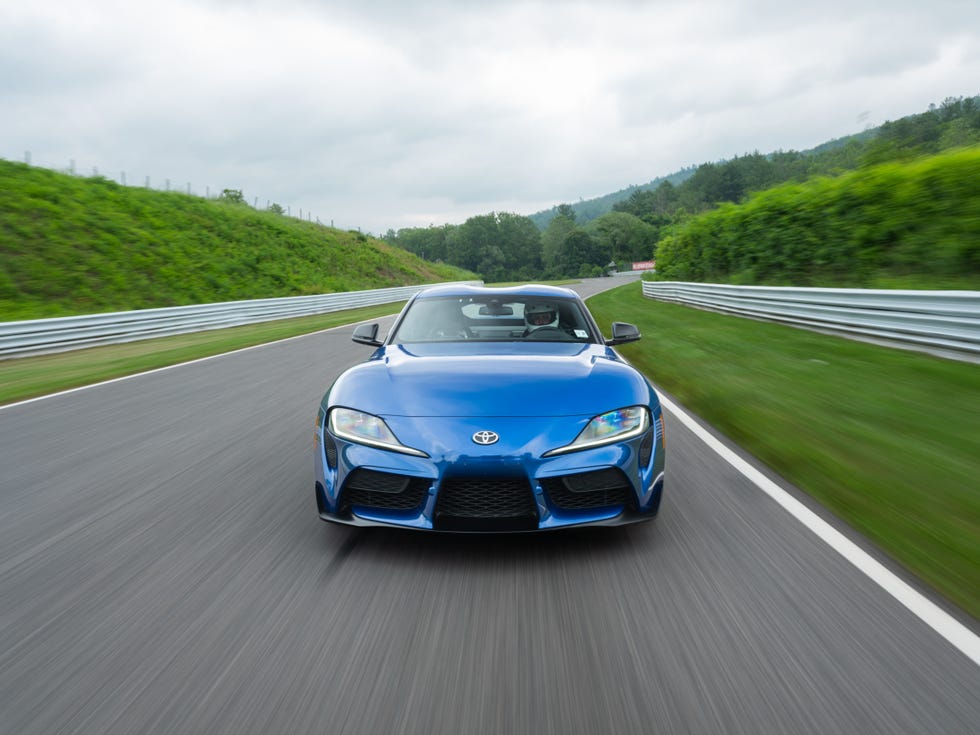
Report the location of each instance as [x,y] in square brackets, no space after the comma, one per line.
[964,639]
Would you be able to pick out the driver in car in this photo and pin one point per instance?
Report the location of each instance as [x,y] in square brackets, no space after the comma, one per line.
[539,315]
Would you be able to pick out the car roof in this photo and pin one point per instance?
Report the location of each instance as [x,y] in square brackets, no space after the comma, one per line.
[530,289]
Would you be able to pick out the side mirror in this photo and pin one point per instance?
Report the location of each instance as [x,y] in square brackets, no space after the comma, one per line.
[366,334]
[622,333]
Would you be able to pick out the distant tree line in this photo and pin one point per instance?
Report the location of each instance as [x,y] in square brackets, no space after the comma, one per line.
[509,247]
[579,242]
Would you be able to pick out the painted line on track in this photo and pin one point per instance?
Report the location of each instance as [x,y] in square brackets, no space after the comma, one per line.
[927,611]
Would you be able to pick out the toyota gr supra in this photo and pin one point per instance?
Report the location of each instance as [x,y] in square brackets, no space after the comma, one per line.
[490,410]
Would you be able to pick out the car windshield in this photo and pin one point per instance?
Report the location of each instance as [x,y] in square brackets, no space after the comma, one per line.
[524,318]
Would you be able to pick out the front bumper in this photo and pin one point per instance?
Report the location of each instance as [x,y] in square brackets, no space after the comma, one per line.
[489,492]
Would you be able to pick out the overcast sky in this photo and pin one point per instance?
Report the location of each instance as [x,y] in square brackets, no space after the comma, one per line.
[378,114]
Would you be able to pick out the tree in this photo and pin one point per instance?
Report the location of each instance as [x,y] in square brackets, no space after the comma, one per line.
[639,203]
[579,252]
[232,196]
[520,242]
[651,205]
[498,246]
[553,239]
[477,238]
[624,237]
[430,243]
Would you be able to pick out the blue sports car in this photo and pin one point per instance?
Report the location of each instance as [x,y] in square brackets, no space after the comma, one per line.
[490,410]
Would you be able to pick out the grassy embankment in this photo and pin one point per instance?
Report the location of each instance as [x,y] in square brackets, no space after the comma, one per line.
[885,438]
[71,245]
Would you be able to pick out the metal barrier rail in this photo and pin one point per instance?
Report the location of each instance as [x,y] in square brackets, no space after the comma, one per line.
[38,336]
[929,319]
[948,320]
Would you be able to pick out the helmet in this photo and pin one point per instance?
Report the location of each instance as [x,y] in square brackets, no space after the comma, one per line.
[540,315]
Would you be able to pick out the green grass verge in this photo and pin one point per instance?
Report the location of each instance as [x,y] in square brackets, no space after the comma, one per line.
[885,438]
[28,377]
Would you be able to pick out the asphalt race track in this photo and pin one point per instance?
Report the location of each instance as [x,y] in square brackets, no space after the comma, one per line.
[163,570]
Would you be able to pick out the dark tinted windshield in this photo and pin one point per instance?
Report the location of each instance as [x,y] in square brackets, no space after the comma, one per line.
[455,319]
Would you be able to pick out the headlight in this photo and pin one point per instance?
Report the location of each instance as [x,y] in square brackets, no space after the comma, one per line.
[363,428]
[609,428]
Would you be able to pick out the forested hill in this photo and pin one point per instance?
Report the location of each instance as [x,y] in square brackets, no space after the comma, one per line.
[503,246]
[587,210]
[71,245]
[953,123]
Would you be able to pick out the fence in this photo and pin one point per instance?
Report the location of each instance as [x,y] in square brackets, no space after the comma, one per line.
[37,336]
[928,320]
[947,320]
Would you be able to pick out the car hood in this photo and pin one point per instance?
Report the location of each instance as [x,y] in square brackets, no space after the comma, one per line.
[491,379]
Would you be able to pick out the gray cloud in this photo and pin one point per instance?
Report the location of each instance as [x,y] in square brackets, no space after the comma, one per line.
[382,114]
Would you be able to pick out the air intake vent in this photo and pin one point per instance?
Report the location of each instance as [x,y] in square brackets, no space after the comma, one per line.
[486,504]
[384,491]
[646,450]
[587,490]
[330,448]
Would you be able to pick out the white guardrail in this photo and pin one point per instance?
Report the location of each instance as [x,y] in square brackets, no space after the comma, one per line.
[39,336]
[929,320]
[948,320]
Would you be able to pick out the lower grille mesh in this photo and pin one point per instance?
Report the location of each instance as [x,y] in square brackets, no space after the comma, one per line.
[486,504]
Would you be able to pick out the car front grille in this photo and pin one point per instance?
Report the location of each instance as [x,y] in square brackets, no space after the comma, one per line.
[485,504]
[383,490]
[587,490]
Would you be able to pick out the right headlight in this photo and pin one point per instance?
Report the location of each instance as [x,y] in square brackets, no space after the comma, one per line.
[608,428]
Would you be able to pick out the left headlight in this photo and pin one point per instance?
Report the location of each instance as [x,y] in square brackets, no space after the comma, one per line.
[609,428]
[365,428]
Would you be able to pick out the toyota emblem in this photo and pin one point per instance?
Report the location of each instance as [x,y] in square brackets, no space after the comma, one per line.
[486,437]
